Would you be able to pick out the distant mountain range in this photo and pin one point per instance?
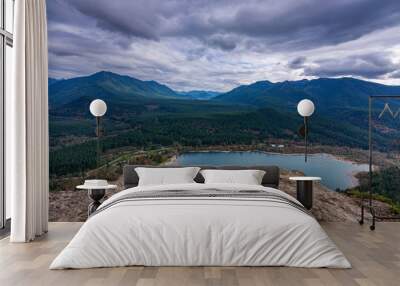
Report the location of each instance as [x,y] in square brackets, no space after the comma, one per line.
[112,86]
[128,97]
[341,115]
[327,93]
[105,85]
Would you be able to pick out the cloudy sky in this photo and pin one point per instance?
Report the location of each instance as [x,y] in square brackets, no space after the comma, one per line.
[219,44]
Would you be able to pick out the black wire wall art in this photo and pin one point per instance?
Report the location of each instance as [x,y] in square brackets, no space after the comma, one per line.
[395,115]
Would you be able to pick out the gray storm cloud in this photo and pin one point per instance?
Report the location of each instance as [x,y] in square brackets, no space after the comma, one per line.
[182,42]
[373,65]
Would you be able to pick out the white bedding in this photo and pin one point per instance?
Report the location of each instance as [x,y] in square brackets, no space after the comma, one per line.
[199,231]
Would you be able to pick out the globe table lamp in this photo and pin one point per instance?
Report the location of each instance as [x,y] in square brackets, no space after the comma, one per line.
[98,108]
[305,108]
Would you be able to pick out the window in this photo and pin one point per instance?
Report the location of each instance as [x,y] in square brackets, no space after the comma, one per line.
[6,60]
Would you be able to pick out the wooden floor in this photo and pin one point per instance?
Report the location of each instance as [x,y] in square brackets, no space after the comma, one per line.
[375,257]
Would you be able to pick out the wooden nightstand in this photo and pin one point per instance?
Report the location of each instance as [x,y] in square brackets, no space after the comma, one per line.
[305,190]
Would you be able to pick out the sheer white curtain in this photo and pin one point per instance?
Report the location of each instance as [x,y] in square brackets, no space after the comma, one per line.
[27,124]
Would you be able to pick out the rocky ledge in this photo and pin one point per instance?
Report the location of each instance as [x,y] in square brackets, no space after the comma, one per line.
[328,205]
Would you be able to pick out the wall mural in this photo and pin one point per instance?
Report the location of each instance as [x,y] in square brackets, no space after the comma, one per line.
[180,78]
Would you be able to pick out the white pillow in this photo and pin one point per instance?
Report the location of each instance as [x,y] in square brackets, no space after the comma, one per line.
[248,177]
[166,176]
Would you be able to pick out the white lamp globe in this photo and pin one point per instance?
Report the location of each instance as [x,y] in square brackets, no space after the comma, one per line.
[98,108]
[305,107]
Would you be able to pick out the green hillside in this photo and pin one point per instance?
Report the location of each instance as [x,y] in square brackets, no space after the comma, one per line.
[105,85]
[342,100]
[327,93]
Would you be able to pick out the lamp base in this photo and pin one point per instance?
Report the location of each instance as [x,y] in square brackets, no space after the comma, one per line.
[95,195]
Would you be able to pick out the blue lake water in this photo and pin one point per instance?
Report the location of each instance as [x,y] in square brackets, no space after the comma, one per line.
[335,173]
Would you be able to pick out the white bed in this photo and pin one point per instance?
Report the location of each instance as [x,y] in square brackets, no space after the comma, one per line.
[202,231]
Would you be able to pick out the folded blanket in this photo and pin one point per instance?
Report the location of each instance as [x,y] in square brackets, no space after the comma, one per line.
[205,193]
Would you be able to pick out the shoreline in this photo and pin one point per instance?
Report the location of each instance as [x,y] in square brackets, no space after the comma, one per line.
[333,156]
[352,175]
[343,153]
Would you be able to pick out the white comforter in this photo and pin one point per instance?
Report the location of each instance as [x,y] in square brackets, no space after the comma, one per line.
[212,231]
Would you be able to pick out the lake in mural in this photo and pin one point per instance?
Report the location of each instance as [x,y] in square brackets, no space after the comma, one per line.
[335,173]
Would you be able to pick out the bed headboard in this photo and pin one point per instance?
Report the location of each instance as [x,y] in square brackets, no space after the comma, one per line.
[271,177]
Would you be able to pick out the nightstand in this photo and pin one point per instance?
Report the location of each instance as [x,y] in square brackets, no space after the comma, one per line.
[305,190]
[95,193]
